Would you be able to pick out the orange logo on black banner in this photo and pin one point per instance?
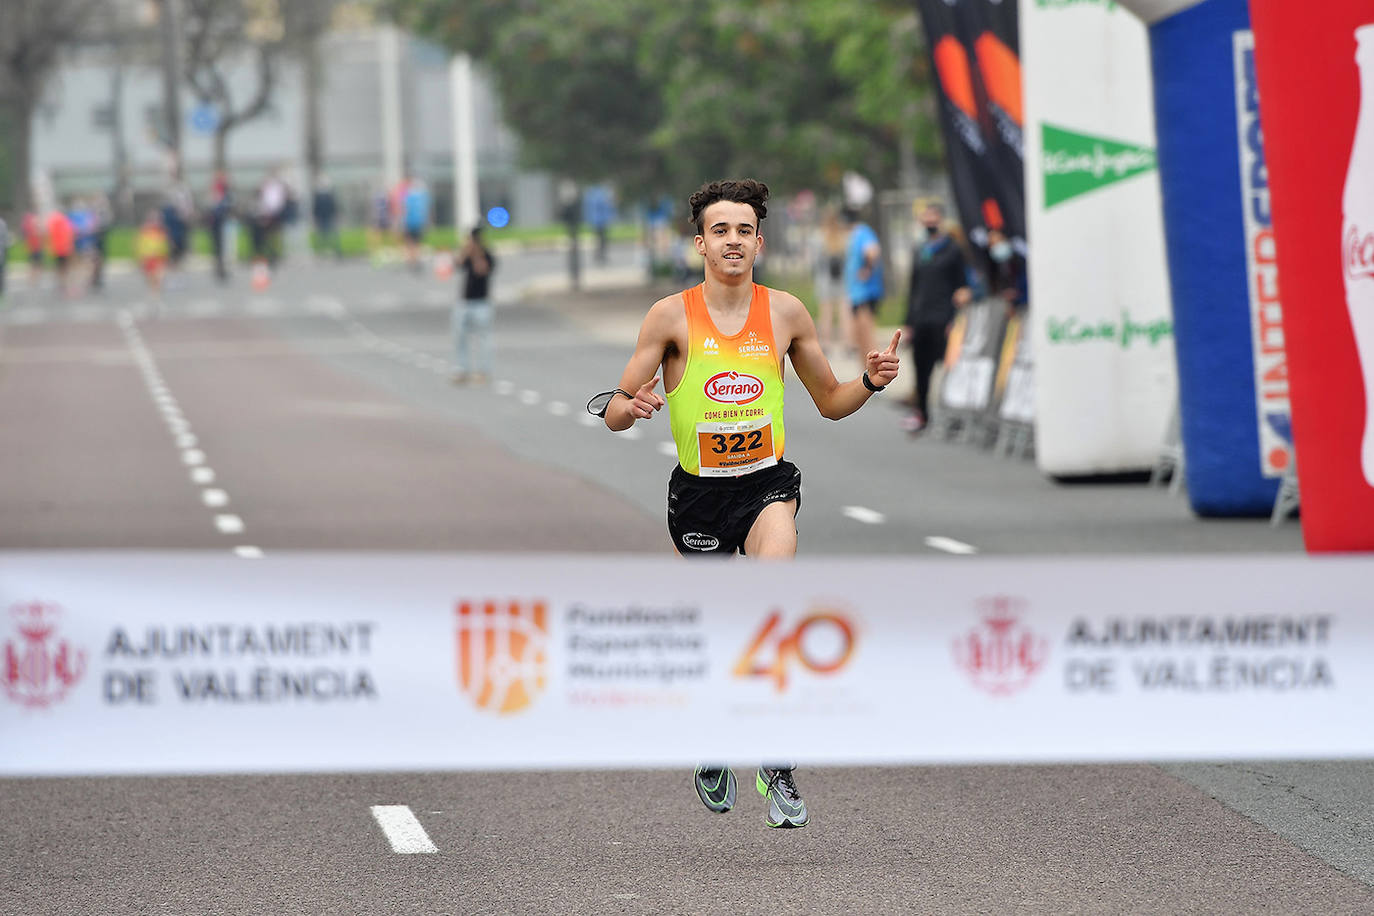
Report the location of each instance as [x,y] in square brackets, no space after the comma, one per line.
[501,648]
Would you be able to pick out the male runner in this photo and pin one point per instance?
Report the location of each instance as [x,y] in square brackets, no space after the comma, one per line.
[718,348]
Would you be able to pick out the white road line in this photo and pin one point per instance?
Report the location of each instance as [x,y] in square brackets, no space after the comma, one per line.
[558,409]
[587,419]
[386,302]
[214,498]
[402,829]
[202,475]
[187,440]
[229,524]
[668,448]
[192,456]
[27,316]
[503,387]
[529,398]
[634,432]
[950,545]
[263,306]
[865,515]
[248,552]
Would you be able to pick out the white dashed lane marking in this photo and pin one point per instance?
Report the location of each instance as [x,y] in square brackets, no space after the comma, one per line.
[403,830]
[865,515]
[668,449]
[182,437]
[950,545]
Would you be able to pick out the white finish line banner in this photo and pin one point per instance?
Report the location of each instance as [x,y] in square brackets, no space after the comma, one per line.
[197,663]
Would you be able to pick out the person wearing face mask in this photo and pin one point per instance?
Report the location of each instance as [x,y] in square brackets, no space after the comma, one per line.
[939,286]
[1007,273]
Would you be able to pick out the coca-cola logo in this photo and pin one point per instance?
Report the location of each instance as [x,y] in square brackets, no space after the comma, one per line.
[1359,253]
[734,388]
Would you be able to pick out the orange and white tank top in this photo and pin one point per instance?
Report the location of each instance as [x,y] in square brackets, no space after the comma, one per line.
[726,413]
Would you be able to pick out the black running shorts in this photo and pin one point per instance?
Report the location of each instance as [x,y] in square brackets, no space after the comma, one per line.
[713,515]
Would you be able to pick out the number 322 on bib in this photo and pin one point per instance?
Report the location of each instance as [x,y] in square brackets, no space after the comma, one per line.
[731,449]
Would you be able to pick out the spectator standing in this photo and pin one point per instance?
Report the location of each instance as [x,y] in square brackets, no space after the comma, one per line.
[325,211]
[61,247]
[220,212]
[863,280]
[102,215]
[827,271]
[151,247]
[472,317]
[32,229]
[600,210]
[379,225]
[178,208]
[414,217]
[1007,274]
[939,287]
[267,221]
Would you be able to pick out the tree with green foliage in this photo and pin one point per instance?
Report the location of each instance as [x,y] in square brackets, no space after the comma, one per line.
[33,35]
[654,96]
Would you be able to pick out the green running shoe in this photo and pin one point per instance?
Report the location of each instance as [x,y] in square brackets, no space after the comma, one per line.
[716,787]
[785,805]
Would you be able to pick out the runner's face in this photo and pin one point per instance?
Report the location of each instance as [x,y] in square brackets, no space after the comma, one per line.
[730,240]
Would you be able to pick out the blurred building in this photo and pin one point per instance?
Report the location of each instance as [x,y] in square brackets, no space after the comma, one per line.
[100,100]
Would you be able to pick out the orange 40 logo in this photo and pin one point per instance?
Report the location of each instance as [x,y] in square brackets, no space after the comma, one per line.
[821,643]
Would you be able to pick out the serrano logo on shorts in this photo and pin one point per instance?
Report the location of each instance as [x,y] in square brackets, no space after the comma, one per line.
[734,388]
[700,541]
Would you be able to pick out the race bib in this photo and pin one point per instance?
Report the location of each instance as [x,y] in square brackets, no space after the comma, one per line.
[732,449]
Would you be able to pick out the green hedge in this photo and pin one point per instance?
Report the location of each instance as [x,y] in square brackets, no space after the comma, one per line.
[119,244]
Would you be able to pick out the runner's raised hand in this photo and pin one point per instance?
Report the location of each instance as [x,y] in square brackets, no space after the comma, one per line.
[646,400]
[882,366]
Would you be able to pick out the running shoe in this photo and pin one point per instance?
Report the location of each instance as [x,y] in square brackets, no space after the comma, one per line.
[716,787]
[785,805]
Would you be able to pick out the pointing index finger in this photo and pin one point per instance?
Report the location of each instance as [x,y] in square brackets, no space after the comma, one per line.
[896,339]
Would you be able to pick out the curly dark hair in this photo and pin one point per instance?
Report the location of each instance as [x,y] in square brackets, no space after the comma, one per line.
[744,191]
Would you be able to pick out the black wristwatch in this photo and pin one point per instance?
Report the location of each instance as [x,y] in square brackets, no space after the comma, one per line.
[868,383]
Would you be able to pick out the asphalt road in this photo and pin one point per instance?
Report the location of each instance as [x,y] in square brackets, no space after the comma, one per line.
[322,411]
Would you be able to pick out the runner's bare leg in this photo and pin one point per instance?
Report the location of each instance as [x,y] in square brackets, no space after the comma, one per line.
[774,532]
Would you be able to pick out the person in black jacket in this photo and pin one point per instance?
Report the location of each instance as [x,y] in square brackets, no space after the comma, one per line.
[939,286]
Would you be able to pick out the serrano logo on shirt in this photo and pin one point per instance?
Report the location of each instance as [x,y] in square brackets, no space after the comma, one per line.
[734,388]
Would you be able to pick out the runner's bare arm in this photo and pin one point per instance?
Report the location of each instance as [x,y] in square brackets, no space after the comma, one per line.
[641,373]
[835,400]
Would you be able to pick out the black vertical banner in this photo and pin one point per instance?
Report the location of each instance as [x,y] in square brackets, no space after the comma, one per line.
[974,48]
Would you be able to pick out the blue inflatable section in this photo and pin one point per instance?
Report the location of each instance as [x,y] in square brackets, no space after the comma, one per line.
[1194,61]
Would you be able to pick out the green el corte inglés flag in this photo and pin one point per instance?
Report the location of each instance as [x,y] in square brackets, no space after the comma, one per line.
[1075,164]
